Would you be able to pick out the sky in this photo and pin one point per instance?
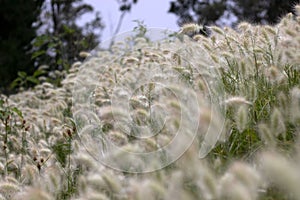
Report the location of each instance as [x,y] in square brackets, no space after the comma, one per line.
[154,13]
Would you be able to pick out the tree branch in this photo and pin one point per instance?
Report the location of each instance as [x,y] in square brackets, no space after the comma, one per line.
[121,18]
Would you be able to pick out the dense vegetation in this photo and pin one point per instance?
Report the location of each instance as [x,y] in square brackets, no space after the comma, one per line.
[234,94]
[231,12]
[42,33]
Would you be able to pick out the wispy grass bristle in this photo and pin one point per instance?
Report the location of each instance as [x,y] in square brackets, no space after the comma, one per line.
[228,100]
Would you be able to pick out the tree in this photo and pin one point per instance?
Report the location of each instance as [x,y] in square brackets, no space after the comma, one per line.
[45,32]
[17,19]
[230,12]
[124,7]
[62,39]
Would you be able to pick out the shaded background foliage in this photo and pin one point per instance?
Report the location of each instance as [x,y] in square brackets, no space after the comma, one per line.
[45,32]
[62,39]
[18,29]
[42,32]
[230,12]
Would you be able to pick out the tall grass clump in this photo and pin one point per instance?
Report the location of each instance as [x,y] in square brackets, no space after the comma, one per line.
[222,113]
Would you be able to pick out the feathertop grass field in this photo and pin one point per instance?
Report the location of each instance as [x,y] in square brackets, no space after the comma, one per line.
[236,93]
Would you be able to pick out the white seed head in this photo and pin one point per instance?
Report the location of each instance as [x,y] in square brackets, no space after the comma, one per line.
[84,54]
[266,135]
[279,170]
[237,101]
[277,123]
[190,28]
[241,118]
[8,190]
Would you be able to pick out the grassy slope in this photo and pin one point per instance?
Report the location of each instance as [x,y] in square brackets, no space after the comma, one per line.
[253,71]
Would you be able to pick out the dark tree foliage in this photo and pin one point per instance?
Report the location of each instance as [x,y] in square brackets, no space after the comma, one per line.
[216,11]
[203,12]
[62,39]
[58,42]
[17,31]
[125,5]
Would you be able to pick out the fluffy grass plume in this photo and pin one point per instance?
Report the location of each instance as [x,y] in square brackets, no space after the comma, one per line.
[241,86]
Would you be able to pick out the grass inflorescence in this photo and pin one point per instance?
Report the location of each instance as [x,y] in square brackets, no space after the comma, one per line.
[235,92]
